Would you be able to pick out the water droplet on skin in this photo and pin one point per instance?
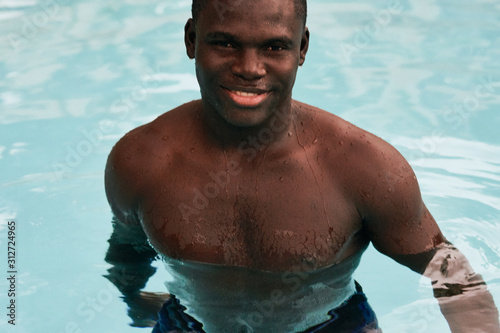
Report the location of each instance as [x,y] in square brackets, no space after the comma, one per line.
[315,140]
[289,133]
[281,179]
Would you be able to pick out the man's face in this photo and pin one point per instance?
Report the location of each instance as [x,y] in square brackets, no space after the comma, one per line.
[247,53]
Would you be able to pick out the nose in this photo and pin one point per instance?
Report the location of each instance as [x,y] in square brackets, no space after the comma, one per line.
[248,65]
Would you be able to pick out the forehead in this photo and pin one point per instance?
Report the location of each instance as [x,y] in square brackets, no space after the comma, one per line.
[228,15]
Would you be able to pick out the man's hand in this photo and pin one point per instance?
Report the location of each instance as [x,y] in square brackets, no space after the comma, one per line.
[462,294]
[144,307]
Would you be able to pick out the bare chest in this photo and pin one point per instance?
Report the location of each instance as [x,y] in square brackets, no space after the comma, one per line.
[274,217]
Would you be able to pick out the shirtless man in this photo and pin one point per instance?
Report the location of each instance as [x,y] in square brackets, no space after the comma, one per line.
[260,205]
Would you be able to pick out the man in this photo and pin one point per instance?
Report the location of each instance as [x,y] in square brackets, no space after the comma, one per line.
[260,205]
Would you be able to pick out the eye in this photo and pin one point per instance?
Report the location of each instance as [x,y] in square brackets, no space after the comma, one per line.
[275,48]
[224,44]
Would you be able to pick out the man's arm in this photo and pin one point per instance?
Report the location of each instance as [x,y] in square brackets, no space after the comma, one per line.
[129,252]
[462,294]
[131,257]
[400,226]
[463,297]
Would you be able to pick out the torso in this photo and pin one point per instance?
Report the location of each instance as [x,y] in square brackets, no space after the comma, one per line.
[233,225]
[286,208]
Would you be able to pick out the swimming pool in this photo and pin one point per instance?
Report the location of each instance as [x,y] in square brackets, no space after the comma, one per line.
[76,76]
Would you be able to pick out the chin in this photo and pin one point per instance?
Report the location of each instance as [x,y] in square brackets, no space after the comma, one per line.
[246,118]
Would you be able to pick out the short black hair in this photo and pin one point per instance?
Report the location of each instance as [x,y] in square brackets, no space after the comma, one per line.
[300,8]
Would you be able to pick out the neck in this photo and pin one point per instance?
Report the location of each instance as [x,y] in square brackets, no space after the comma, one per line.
[270,132]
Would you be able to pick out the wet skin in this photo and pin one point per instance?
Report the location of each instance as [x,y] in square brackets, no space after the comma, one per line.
[315,190]
[317,197]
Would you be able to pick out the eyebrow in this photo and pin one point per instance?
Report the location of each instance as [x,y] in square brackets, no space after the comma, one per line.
[227,36]
[279,40]
[220,35]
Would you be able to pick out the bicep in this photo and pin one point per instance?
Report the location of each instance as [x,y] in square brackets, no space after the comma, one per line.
[395,218]
[119,187]
[128,242]
[121,194]
[400,229]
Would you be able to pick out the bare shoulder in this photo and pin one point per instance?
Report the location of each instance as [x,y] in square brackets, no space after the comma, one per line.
[372,170]
[380,183]
[348,140]
[161,132]
[151,141]
[140,154]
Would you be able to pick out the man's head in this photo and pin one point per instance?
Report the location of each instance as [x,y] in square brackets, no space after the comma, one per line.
[247,54]
[198,5]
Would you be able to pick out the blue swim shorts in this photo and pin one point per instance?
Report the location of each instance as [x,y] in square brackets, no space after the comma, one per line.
[354,315]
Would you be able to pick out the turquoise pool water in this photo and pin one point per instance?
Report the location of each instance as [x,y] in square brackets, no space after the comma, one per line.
[76,76]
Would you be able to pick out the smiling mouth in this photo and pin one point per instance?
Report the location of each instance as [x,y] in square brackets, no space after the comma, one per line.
[247,98]
[242,93]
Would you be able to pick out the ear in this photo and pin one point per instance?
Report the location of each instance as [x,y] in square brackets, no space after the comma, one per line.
[190,38]
[304,46]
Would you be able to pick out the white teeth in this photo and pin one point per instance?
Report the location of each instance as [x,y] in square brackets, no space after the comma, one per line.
[246,94]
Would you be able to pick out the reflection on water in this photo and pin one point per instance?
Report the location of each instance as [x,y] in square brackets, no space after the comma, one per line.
[225,298]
